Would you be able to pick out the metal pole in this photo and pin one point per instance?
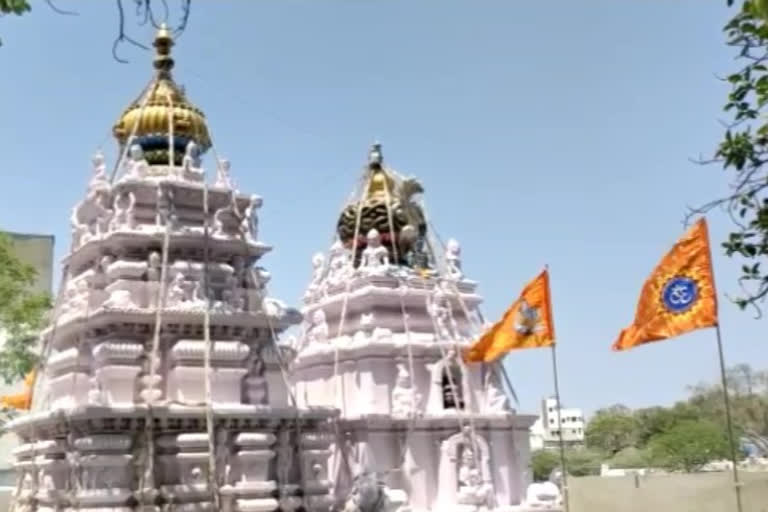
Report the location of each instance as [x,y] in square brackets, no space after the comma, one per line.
[560,430]
[736,481]
[509,383]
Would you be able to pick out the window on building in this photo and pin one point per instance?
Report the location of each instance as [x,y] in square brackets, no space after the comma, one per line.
[449,400]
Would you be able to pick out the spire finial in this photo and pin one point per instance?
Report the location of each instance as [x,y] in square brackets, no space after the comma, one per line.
[163,44]
[375,157]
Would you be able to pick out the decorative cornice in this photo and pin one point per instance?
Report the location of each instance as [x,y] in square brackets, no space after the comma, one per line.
[222,351]
[115,351]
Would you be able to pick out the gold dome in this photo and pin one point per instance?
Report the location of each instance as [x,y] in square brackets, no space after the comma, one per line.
[388,207]
[164,102]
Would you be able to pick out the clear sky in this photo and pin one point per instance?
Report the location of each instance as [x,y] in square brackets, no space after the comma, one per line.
[544,132]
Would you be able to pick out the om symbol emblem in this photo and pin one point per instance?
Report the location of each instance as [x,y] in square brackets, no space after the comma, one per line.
[679,294]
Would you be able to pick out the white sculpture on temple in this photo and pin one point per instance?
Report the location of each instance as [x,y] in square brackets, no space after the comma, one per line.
[154,262]
[165,215]
[375,257]
[496,400]
[318,272]
[78,296]
[318,331]
[440,311]
[95,393]
[223,177]
[339,264]
[191,161]
[90,218]
[405,399]
[99,180]
[453,260]
[124,216]
[119,299]
[80,230]
[136,167]
[183,293]
[249,225]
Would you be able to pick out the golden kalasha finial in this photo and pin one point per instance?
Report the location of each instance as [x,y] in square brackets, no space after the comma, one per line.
[163,44]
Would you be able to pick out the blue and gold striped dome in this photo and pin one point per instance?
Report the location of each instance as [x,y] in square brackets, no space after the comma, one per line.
[165,110]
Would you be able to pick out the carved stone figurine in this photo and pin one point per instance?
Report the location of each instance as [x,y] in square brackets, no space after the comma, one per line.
[124,217]
[440,311]
[339,264]
[99,179]
[249,225]
[178,292]
[166,209]
[375,258]
[453,260]
[495,399]
[404,397]
[471,488]
[191,161]
[223,177]
[318,332]
[368,494]
[80,230]
[136,166]
[154,262]
[318,271]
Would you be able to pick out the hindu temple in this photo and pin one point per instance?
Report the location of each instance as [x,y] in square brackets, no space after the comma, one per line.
[161,384]
[387,315]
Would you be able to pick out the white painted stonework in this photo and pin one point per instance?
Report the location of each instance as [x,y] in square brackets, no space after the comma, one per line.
[121,419]
[380,341]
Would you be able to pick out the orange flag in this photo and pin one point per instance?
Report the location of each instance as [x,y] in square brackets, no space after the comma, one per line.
[679,296]
[526,324]
[23,400]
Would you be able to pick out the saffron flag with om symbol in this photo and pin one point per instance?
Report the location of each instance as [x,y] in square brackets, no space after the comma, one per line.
[679,296]
[526,324]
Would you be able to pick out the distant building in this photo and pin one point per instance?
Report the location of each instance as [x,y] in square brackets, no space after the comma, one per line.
[35,250]
[544,432]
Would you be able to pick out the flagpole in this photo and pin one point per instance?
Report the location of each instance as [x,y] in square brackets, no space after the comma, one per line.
[560,429]
[504,374]
[729,422]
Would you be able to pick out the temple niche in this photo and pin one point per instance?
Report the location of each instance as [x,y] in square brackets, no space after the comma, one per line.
[161,383]
[387,314]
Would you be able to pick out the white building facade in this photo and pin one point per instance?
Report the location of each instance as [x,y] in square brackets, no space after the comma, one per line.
[545,432]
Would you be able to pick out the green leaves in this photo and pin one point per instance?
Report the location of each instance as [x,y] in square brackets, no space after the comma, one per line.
[17,7]
[689,445]
[21,314]
[743,151]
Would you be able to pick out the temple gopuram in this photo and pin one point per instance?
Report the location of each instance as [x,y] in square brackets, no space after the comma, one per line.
[163,384]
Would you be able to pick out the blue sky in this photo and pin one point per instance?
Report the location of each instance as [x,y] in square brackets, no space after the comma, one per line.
[544,132]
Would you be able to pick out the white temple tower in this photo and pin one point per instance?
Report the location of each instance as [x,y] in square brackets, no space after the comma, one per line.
[161,383]
[387,315]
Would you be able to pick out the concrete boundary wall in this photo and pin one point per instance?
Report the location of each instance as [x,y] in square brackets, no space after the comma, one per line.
[701,492]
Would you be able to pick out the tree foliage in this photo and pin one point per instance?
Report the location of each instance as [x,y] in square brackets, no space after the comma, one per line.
[611,430]
[743,151]
[542,464]
[578,462]
[21,313]
[689,445]
[644,436]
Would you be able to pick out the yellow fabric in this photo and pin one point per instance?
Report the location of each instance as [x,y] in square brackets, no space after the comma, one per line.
[679,296]
[526,324]
[23,400]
